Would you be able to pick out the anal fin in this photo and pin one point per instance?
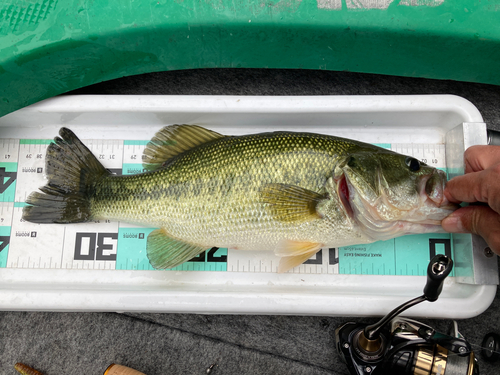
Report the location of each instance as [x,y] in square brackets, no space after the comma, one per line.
[166,252]
[294,253]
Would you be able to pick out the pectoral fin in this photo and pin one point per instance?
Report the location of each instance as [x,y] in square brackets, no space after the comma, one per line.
[290,203]
[166,252]
[294,253]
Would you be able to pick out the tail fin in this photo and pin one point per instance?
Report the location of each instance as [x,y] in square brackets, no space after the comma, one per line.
[72,171]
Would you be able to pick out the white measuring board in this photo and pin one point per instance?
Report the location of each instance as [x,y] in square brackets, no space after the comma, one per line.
[121,246]
[41,265]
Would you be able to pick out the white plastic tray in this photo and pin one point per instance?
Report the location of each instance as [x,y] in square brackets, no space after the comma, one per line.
[374,119]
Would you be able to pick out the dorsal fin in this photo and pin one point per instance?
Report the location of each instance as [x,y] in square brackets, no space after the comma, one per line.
[174,140]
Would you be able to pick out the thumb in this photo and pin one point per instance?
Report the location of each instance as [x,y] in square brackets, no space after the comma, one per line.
[481,220]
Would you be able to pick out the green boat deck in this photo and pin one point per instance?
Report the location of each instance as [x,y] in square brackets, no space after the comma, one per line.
[48,47]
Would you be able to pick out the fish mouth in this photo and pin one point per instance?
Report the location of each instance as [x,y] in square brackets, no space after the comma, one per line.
[432,188]
[382,220]
[374,225]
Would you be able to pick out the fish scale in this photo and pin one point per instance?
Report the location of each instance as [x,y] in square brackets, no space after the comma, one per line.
[228,176]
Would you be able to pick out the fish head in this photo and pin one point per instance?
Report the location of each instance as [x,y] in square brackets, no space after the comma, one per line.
[390,194]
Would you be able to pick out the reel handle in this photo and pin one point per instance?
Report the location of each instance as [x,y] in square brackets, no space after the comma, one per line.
[438,270]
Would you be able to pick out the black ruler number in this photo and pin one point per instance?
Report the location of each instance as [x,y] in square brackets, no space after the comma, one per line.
[11,177]
[4,242]
[318,259]
[96,247]
[442,241]
[210,256]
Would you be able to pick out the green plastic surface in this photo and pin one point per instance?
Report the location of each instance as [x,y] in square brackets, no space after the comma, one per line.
[48,47]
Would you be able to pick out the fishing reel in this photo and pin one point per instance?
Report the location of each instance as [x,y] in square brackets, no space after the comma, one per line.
[397,346]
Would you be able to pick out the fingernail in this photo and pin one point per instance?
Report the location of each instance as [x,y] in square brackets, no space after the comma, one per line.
[453,224]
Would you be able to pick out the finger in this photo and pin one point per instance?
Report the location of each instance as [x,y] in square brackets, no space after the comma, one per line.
[481,186]
[480,220]
[478,158]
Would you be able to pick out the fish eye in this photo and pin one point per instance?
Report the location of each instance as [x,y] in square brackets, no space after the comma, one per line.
[412,163]
[351,162]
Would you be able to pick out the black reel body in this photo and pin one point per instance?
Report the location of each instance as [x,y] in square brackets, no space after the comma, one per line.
[358,360]
[408,347]
[397,346]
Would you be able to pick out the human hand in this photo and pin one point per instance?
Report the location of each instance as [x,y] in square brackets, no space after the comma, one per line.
[480,183]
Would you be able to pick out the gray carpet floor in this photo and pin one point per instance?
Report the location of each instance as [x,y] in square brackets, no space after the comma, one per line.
[160,344]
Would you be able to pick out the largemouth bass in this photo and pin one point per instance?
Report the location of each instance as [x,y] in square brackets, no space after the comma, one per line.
[291,193]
